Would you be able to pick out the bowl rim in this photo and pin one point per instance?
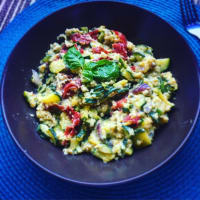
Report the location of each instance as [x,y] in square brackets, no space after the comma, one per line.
[97,184]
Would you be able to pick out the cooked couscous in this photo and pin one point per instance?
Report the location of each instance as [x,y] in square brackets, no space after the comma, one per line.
[99,93]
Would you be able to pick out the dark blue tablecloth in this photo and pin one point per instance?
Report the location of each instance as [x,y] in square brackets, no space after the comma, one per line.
[21,179]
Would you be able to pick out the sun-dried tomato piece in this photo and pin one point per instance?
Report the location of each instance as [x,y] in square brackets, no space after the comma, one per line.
[98,50]
[55,108]
[70,131]
[120,48]
[73,115]
[69,89]
[133,68]
[121,37]
[83,39]
[94,34]
[132,120]
[119,104]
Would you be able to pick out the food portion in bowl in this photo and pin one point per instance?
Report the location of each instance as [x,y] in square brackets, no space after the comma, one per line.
[99,93]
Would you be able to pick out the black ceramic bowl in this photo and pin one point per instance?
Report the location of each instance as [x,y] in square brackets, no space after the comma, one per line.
[140,26]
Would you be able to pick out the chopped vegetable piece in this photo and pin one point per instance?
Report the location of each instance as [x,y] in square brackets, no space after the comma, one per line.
[132,120]
[69,89]
[122,37]
[119,104]
[50,98]
[83,39]
[94,34]
[99,50]
[163,63]
[141,88]
[120,48]
[57,66]
[138,56]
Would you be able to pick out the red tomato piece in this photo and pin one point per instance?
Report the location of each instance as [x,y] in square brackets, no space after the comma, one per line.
[63,51]
[64,143]
[120,48]
[74,116]
[119,104]
[121,36]
[76,46]
[70,131]
[133,68]
[94,34]
[132,120]
[101,58]
[69,88]
[98,50]
[81,50]
[55,108]
[83,39]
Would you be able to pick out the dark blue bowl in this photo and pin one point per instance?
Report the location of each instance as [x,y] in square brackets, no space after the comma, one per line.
[140,26]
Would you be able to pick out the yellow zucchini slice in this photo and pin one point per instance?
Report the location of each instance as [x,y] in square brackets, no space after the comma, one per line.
[57,66]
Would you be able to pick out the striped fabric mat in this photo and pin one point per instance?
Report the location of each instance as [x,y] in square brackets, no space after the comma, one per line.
[10,8]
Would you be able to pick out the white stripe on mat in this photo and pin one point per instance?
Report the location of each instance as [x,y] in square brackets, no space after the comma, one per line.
[24,2]
[5,18]
[2,4]
[15,10]
[32,1]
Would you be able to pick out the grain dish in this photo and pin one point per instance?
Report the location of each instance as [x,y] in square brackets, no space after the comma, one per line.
[99,93]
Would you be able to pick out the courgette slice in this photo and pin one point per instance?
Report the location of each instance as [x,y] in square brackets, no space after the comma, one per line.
[31,98]
[128,131]
[49,133]
[46,59]
[84,29]
[122,63]
[101,37]
[90,101]
[138,56]
[127,74]
[145,48]
[140,103]
[50,98]
[126,110]
[57,66]
[142,139]
[163,63]
[139,130]
[106,157]
[154,116]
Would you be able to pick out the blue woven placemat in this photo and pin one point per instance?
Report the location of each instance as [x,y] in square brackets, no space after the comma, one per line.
[21,179]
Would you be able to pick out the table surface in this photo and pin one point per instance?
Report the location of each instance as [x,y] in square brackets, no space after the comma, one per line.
[21,179]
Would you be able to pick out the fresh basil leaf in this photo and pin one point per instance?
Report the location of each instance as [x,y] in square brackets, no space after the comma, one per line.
[74,59]
[102,70]
[88,75]
[107,72]
[88,71]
